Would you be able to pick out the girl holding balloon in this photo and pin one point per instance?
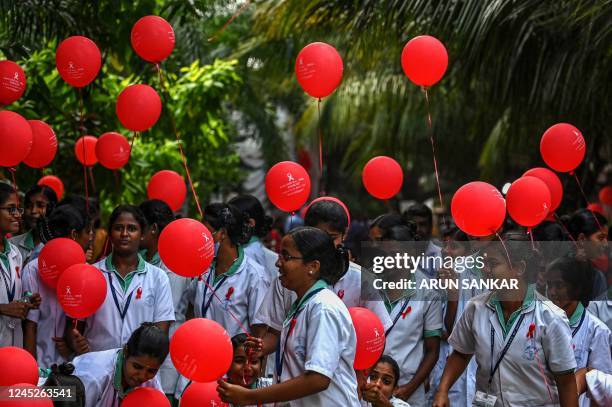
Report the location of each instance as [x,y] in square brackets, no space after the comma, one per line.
[44,327]
[521,341]
[317,347]
[136,291]
[13,308]
[109,375]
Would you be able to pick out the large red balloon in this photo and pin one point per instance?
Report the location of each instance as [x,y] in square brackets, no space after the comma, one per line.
[54,183]
[152,38]
[288,186]
[15,138]
[424,60]
[370,337]
[145,396]
[201,394]
[552,182]
[138,107]
[44,145]
[81,290]
[12,82]
[113,150]
[85,150]
[562,147]
[382,177]
[202,360]
[186,247]
[318,69]
[17,366]
[605,195]
[478,209]
[332,199]
[528,201]
[56,256]
[78,61]
[597,208]
[18,397]
[168,186]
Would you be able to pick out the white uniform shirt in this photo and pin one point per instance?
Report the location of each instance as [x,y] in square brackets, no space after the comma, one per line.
[395,402]
[590,340]
[417,315]
[97,372]
[147,299]
[602,309]
[255,250]
[25,244]
[11,333]
[50,318]
[599,386]
[542,341]
[278,300]
[322,340]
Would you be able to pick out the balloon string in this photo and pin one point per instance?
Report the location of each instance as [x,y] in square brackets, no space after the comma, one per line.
[229,21]
[163,85]
[530,233]
[134,136]
[13,171]
[91,177]
[212,290]
[433,148]
[585,198]
[505,249]
[543,375]
[80,132]
[567,232]
[321,193]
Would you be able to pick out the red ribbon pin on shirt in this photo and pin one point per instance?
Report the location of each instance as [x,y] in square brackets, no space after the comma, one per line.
[17,271]
[229,293]
[341,294]
[292,326]
[406,312]
[531,331]
[139,293]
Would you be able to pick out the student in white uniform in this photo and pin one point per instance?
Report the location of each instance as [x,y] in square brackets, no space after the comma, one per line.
[521,341]
[137,291]
[422,216]
[44,328]
[381,384]
[63,375]
[596,385]
[413,339]
[108,376]
[13,309]
[260,225]
[158,215]
[567,285]
[317,348]
[39,201]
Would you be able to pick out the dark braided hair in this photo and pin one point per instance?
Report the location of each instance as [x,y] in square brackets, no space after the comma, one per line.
[230,218]
[63,220]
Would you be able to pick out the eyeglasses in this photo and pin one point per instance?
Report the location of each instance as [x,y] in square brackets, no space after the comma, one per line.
[287,257]
[13,210]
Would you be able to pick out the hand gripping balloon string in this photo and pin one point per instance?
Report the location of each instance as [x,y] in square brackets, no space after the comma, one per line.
[585,198]
[166,92]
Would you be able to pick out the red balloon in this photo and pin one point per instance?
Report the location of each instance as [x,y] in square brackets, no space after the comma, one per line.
[168,186]
[202,394]
[424,60]
[12,82]
[597,208]
[17,366]
[138,107]
[605,195]
[18,397]
[186,247]
[85,150]
[145,396]
[478,209]
[78,61]
[113,150]
[44,145]
[81,290]
[15,138]
[54,183]
[152,38]
[56,256]
[370,337]
[552,182]
[562,147]
[318,69]
[528,201]
[288,186]
[203,360]
[382,177]
[332,199]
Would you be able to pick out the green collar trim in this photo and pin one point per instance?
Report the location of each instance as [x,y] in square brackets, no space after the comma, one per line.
[253,239]
[527,301]
[127,280]
[4,256]
[575,318]
[233,268]
[297,306]
[28,241]
[118,374]
[155,260]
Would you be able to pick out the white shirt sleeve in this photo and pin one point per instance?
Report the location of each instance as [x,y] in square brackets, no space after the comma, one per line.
[29,281]
[599,387]
[323,336]
[433,316]
[164,309]
[557,346]
[274,306]
[462,338]
[257,292]
[599,352]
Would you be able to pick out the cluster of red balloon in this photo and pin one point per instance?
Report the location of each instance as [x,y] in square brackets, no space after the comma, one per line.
[168,186]
[288,186]
[19,371]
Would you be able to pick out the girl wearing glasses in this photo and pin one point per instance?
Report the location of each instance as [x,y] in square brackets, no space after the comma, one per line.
[317,347]
[13,309]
